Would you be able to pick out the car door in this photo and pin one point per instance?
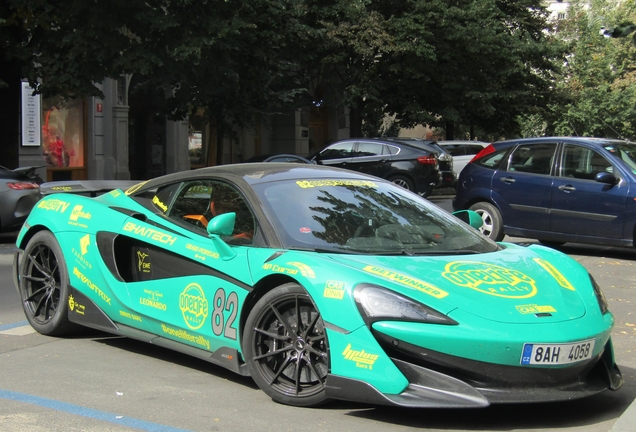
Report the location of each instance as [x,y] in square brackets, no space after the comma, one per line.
[522,190]
[371,158]
[337,155]
[184,286]
[580,204]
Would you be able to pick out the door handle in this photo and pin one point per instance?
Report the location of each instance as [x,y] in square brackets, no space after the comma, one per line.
[567,188]
[507,180]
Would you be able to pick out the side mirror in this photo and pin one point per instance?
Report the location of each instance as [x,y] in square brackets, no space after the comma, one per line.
[222,225]
[607,178]
[470,217]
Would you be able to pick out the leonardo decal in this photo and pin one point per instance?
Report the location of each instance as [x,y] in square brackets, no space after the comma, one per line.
[408,281]
[555,273]
[153,300]
[194,306]
[490,279]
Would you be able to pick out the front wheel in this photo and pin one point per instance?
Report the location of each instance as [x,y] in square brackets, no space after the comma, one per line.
[490,215]
[285,347]
[43,286]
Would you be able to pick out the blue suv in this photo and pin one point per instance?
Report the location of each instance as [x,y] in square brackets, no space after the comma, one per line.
[554,189]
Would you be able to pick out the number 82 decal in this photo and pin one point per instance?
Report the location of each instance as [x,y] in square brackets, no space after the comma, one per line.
[219,325]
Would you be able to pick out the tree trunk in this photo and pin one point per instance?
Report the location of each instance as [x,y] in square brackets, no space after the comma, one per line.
[355,118]
[219,136]
[450,130]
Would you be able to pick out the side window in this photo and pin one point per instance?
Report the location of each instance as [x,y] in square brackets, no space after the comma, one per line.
[456,149]
[201,200]
[369,149]
[583,163]
[532,158]
[392,149]
[473,149]
[492,160]
[337,151]
[164,197]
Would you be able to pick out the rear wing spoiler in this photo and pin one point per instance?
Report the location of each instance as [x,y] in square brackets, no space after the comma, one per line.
[90,188]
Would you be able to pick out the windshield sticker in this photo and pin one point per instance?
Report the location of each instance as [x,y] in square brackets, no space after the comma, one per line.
[407,281]
[305,230]
[318,183]
[555,274]
[305,270]
[490,279]
[534,309]
[156,201]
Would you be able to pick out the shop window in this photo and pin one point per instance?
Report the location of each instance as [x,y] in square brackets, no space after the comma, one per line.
[63,133]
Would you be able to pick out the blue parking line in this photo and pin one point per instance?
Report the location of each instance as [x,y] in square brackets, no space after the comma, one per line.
[87,412]
[13,325]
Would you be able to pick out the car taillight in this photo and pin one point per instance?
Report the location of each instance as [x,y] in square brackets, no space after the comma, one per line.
[485,151]
[23,185]
[427,160]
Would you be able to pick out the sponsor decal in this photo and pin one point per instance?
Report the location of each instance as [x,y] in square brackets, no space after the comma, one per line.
[184,335]
[156,201]
[561,280]
[143,265]
[130,316]
[79,255]
[408,281]
[86,281]
[75,307]
[115,193]
[533,309]
[149,233]
[280,269]
[490,279]
[202,251]
[62,188]
[305,270]
[362,360]
[135,188]
[334,289]
[194,306]
[54,205]
[319,183]
[76,214]
[153,300]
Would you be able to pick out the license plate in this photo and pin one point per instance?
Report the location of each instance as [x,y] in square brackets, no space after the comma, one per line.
[556,354]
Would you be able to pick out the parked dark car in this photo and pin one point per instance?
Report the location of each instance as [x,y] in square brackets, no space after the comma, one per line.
[408,165]
[19,191]
[444,158]
[554,189]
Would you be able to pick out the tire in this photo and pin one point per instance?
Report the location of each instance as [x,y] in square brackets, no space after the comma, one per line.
[403,182]
[43,286]
[493,225]
[287,361]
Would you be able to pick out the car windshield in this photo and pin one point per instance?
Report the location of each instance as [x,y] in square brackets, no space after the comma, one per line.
[626,152]
[360,216]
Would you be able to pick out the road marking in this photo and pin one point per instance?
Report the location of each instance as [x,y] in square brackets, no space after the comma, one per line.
[87,412]
[19,328]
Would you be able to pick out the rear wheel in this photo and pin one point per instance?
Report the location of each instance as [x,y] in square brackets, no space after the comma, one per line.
[285,347]
[490,215]
[43,286]
[402,181]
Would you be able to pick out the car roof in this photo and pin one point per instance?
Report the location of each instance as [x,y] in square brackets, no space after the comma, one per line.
[255,173]
[571,139]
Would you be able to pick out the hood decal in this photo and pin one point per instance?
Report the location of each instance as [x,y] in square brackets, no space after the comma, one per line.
[490,279]
[407,281]
[561,280]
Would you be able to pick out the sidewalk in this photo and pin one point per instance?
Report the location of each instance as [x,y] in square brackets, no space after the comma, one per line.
[627,421]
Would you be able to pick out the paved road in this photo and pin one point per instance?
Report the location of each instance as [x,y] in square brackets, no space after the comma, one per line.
[102,383]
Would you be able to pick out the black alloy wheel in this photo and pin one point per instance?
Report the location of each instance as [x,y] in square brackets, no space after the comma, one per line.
[43,286]
[285,347]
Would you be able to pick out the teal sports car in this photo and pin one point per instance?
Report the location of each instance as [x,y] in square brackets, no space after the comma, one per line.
[320,284]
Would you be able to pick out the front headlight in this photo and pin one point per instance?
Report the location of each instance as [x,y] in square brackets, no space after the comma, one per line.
[380,304]
[602,301]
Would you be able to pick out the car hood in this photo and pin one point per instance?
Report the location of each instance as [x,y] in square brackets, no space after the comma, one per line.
[514,285]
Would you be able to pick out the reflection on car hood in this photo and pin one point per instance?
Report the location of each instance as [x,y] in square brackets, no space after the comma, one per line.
[515,285]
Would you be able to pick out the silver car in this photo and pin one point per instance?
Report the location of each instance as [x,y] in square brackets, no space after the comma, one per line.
[19,191]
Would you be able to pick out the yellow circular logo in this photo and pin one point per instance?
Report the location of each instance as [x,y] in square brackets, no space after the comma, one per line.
[194,306]
[490,279]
